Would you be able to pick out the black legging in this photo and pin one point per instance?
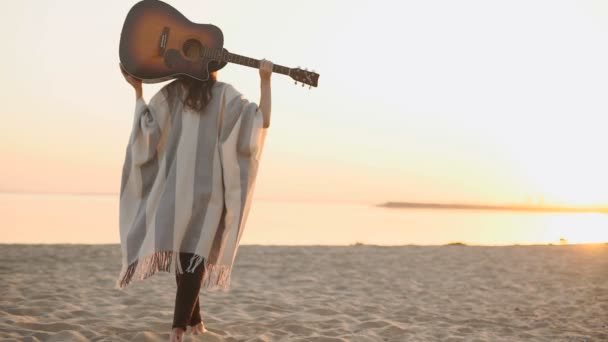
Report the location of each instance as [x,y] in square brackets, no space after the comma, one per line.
[187,309]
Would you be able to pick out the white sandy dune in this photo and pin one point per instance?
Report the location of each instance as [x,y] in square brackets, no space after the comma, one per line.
[357,293]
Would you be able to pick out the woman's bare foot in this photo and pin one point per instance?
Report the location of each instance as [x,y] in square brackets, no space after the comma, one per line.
[199,329]
[177,335]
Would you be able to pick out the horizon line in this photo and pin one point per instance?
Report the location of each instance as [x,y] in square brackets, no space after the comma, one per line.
[600,208]
[352,244]
[116,194]
[506,207]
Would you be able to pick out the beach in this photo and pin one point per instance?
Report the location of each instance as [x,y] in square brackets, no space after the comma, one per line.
[317,293]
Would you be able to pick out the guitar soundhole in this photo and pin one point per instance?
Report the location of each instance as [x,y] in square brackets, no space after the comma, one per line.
[192,49]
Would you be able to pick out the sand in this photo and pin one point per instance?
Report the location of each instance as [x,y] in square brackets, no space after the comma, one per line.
[354,293]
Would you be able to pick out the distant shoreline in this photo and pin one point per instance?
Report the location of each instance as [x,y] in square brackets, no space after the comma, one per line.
[53,193]
[525,208]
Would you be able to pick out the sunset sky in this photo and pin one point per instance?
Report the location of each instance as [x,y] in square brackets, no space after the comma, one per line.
[468,101]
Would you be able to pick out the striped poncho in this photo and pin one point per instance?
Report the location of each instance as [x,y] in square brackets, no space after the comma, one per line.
[187,183]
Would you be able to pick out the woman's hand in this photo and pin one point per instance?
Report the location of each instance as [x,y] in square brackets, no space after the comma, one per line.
[133,81]
[265,70]
[265,94]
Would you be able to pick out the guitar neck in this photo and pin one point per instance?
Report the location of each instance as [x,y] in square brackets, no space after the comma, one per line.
[225,56]
[304,76]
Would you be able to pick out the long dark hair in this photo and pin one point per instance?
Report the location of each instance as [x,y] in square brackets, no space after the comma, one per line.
[198,92]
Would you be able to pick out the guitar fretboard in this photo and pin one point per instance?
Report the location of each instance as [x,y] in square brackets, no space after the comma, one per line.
[223,55]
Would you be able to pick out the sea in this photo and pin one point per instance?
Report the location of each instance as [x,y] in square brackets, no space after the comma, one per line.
[33,218]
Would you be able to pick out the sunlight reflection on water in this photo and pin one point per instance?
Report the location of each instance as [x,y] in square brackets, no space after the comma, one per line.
[94,219]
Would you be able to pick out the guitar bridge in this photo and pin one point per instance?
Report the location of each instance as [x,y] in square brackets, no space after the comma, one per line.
[162,43]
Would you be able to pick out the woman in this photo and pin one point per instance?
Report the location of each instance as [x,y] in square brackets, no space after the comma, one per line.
[187,183]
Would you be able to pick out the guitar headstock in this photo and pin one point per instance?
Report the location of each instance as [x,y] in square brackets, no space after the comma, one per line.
[310,78]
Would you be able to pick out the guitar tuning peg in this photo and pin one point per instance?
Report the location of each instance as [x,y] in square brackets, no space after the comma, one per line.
[296,82]
[309,87]
[302,85]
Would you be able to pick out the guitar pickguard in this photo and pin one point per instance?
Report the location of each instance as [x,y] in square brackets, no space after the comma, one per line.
[175,61]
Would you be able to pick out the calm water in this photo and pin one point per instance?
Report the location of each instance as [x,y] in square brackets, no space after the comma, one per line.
[94,219]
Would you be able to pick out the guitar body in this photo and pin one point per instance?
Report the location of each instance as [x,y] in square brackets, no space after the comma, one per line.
[155,37]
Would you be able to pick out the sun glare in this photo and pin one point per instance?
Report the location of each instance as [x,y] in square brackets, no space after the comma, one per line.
[576,229]
[564,178]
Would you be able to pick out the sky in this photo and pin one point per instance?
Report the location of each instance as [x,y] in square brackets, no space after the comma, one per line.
[445,101]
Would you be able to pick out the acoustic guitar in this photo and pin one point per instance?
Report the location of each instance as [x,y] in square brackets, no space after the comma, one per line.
[155,37]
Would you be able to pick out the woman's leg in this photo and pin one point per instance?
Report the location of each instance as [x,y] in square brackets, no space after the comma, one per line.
[187,308]
[195,318]
[196,314]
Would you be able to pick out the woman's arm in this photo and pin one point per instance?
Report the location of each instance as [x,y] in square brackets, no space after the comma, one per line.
[134,82]
[265,92]
[148,122]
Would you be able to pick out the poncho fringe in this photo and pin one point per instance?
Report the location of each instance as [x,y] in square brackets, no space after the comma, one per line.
[214,277]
